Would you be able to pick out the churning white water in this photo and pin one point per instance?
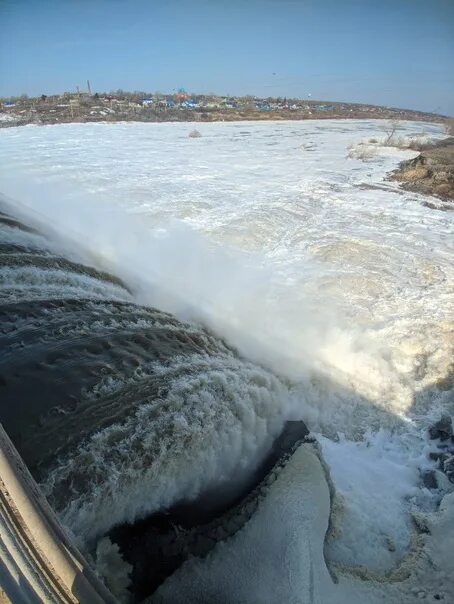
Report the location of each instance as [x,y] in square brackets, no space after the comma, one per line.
[306,260]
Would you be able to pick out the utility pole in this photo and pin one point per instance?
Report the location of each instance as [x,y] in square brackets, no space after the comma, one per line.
[88,86]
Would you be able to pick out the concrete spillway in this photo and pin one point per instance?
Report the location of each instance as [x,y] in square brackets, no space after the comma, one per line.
[38,561]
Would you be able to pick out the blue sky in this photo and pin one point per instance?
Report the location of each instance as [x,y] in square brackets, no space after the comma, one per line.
[391,52]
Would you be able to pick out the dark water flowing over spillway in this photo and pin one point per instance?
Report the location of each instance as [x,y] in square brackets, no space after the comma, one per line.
[119,410]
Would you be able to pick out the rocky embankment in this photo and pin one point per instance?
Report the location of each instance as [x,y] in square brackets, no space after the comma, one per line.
[431,172]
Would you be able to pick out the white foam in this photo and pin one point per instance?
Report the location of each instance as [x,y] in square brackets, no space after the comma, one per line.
[113,569]
[375,482]
[213,417]
[31,283]
[305,259]
[286,250]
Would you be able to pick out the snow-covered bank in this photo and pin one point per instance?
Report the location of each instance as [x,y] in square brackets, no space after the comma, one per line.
[278,556]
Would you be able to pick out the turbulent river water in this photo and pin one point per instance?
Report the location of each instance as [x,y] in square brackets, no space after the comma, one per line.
[162,407]
[168,303]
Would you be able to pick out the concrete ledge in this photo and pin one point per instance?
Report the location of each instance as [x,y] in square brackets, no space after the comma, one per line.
[38,561]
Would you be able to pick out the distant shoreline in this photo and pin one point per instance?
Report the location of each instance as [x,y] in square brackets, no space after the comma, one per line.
[84,108]
[217,119]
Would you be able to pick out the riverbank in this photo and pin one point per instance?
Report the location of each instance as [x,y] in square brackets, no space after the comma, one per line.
[431,172]
[131,107]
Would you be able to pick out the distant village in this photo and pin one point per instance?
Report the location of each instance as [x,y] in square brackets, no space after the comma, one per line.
[181,106]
